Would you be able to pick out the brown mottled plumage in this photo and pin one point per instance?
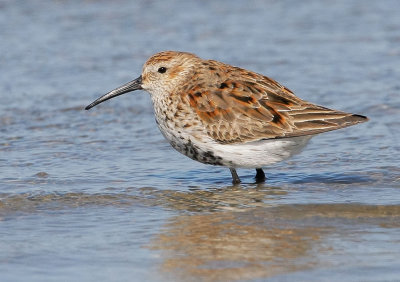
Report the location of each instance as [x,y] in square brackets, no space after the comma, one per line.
[224,115]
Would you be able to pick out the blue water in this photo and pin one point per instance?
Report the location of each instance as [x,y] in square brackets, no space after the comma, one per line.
[100,196]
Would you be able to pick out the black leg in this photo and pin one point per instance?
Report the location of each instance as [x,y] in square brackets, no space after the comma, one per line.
[260,176]
[235,177]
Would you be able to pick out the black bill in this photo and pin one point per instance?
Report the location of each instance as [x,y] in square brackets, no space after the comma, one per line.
[133,85]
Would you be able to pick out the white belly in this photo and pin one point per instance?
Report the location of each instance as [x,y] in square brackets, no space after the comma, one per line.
[255,154]
[258,154]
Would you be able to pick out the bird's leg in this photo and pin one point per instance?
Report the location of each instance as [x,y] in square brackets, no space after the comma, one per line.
[260,176]
[235,177]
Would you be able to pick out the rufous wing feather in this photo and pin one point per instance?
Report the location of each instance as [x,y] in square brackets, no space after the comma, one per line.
[250,107]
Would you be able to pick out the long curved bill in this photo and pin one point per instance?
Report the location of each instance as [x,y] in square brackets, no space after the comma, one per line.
[133,85]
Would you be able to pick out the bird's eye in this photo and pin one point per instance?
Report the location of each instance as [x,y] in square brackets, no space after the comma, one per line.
[162,69]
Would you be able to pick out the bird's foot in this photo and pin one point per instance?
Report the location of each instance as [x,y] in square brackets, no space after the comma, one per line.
[260,176]
[235,176]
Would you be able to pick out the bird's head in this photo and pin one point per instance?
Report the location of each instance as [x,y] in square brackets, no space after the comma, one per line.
[161,74]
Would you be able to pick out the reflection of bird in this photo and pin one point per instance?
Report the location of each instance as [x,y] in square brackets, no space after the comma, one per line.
[223,115]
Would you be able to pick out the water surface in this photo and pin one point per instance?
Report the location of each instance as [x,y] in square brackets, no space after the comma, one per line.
[100,196]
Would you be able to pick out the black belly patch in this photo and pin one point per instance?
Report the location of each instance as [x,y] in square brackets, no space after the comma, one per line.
[195,153]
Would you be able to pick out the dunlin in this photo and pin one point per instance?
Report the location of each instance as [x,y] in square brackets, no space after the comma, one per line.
[223,115]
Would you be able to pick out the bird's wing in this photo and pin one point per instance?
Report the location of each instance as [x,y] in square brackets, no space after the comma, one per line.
[250,107]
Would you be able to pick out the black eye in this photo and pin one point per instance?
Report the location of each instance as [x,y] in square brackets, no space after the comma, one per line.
[162,69]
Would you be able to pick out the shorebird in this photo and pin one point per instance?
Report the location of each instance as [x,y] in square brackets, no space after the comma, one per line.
[223,115]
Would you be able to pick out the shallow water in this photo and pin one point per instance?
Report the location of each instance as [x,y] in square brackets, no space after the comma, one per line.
[99,195]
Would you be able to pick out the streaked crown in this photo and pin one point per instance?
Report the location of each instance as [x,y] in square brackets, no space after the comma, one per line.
[164,71]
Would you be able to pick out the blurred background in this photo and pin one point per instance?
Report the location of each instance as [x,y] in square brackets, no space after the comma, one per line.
[100,195]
